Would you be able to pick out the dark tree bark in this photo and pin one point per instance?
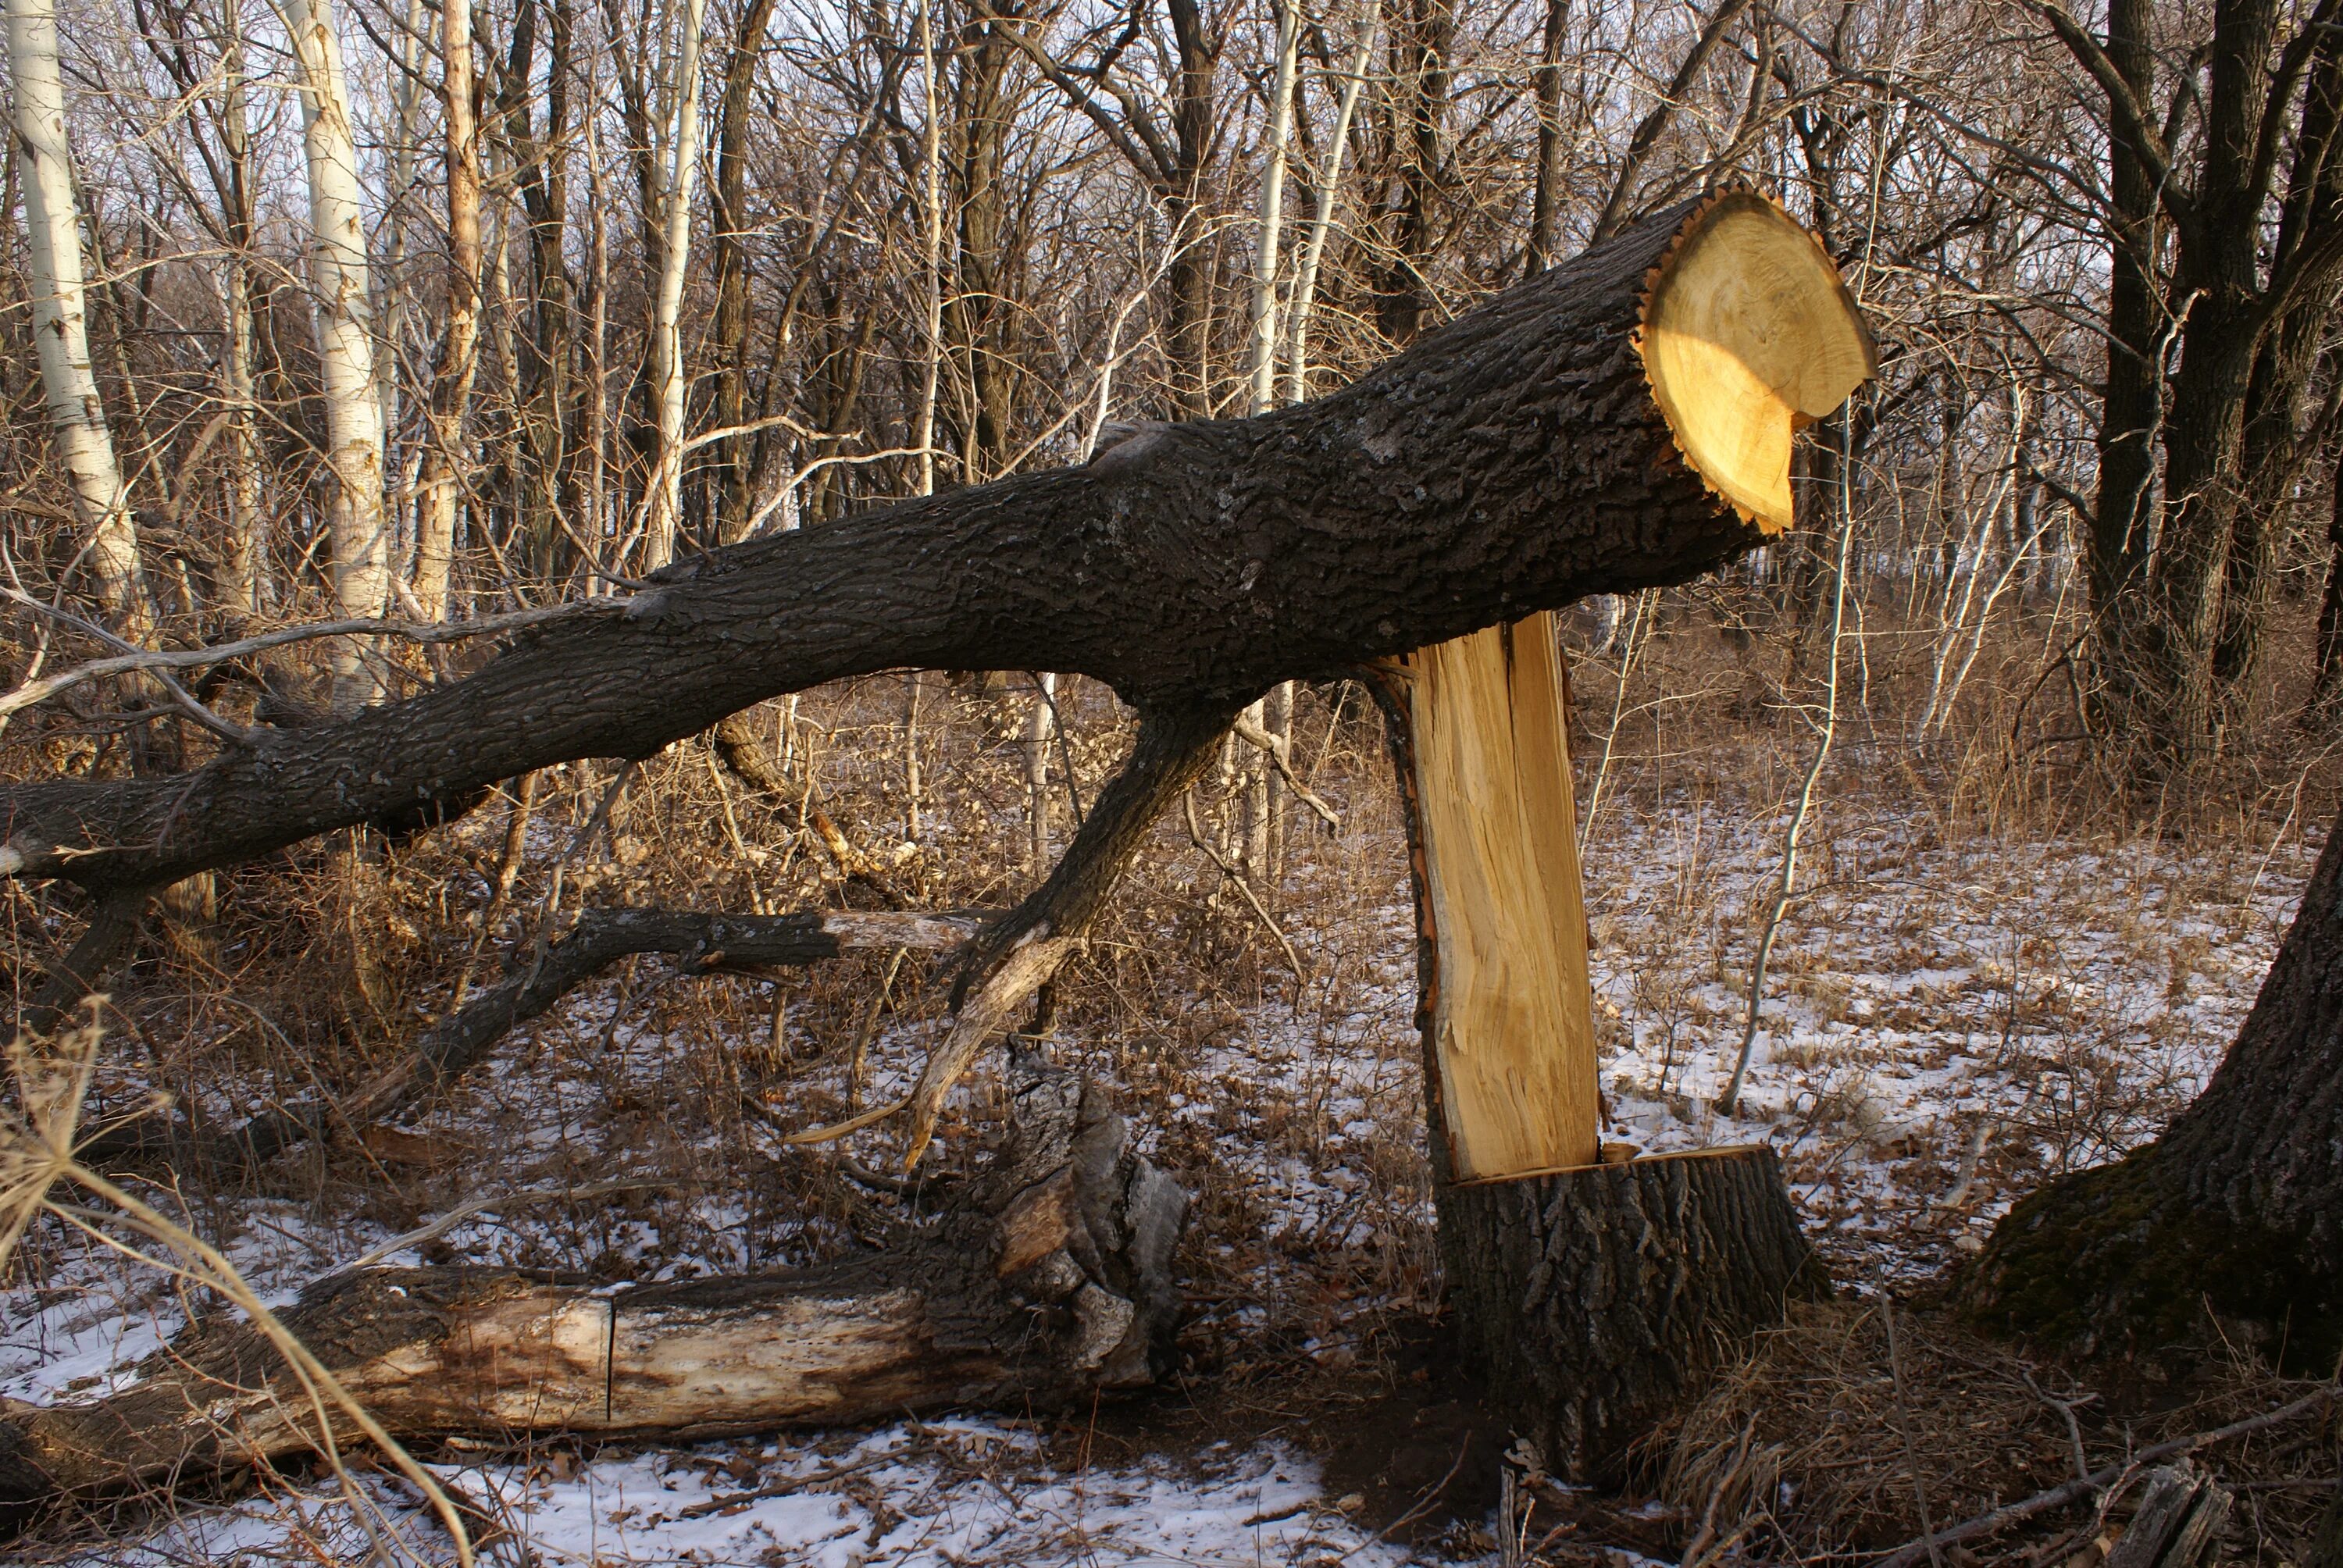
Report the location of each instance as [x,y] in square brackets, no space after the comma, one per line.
[1048,1283]
[2194,278]
[730,343]
[1593,1300]
[1515,461]
[2236,1209]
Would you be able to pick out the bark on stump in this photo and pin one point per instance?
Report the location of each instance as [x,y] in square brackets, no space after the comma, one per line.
[1593,1300]
[1046,1283]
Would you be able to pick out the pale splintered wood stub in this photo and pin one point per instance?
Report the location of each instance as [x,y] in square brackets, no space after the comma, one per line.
[1748,336]
[1513,1025]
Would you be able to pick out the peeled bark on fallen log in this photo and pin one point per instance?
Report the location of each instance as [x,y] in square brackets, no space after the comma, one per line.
[1047,1282]
[1621,421]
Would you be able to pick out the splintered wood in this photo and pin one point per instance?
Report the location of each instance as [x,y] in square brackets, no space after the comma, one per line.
[1512,1020]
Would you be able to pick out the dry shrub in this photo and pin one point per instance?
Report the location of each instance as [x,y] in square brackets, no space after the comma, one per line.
[1810,1439]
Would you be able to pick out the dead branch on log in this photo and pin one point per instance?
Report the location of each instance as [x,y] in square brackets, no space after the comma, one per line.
[1048,1283]
[427,633]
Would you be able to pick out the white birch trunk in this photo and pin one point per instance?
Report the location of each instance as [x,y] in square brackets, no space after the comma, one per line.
[60,327]
[1040,726]
[1330,189]
[1264,363]
[342,310]
[667,384]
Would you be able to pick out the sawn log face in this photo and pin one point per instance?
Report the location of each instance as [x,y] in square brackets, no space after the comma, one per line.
[1048,1281]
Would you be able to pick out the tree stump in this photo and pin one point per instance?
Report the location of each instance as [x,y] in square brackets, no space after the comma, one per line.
[1593,1300]
[1591,1297]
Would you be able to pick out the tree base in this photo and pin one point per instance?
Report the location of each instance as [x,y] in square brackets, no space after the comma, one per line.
[2115,1261]
[1592,1300]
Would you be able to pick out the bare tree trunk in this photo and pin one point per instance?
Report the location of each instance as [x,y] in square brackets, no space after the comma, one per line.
[1545,206]
[344,318]
[1329,190]
[1261,368]
[245,590]
[1038,727]
[451,387]
[60,325]
[680,173]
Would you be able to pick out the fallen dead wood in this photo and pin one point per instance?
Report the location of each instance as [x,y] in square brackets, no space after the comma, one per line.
[1046,1283]
[702,943]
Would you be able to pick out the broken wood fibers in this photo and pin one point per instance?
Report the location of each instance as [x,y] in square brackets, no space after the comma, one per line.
[1513,1020]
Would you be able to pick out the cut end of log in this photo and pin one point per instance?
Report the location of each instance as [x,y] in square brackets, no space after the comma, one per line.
[1748,335]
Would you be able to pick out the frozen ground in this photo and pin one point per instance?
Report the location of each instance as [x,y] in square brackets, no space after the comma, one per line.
[1949,1017]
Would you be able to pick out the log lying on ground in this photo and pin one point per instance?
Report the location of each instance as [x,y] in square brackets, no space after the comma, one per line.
[1047,1282]
[1621,421]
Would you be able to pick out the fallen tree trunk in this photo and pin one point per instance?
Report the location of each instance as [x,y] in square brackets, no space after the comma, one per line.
[1046,1283]
[1621,421]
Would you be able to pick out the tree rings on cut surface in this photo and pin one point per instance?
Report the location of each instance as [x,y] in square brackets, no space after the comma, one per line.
[1748,335]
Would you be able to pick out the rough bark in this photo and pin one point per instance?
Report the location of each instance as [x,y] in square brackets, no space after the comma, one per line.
[1515,461]
[2236,1210]
[1046,1283]
[1592,1300]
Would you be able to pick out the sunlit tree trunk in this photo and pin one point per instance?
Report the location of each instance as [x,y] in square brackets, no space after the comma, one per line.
[668,385]
[1330,189]
[60,331]
[451,389]
[343,314]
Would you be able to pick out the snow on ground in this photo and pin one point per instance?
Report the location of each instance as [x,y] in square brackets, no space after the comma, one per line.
[1950,1016]
[938,1494]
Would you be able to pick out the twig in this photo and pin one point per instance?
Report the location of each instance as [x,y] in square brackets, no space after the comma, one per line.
[837,1130]
[1254,735]
[235,734]
[1903,1426]
[1196,835]
[136,657]
[463,1211]
[2017,1512]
